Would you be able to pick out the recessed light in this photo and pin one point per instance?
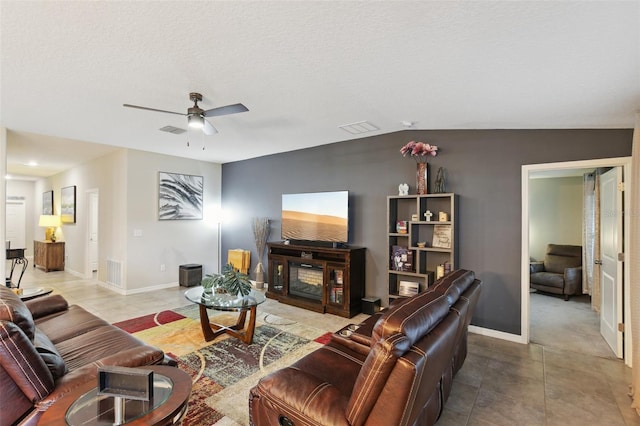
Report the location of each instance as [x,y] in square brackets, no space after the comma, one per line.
[31,164]
[407,124]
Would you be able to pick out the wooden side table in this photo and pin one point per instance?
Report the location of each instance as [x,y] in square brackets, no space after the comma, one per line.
[49,255]
[169,412]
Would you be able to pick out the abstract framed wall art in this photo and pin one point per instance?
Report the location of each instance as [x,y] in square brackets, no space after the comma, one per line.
[68,204]
[179,196]
[47,202]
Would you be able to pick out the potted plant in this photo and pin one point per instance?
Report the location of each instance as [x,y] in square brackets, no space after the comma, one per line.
[229,281]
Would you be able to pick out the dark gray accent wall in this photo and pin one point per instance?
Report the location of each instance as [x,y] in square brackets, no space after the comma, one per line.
[483,167]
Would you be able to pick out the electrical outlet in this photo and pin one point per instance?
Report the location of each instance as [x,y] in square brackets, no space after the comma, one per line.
[162,268]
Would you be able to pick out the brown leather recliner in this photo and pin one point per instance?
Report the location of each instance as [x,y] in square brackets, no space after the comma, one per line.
[396,369]
[48,348]
[561,271]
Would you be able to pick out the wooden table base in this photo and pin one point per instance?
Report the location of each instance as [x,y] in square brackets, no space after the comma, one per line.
[212,330]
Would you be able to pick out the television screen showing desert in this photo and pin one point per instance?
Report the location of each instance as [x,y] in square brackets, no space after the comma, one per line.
[315,217]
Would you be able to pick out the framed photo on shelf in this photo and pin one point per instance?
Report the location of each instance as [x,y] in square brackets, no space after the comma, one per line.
[441,236]
[401,259]
[401,227]
[408,288]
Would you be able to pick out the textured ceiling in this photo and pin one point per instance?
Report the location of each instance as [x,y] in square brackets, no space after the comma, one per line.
[304,68]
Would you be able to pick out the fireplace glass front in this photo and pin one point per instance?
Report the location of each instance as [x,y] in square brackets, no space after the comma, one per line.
[305,280]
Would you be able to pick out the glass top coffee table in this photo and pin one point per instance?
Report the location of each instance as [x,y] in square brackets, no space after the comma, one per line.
[226,302]
[84,406]
[32,293]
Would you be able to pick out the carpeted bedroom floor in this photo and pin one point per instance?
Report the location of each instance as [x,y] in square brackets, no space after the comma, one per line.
[567,325]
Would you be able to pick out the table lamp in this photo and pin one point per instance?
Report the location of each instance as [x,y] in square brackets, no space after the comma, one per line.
[51,222]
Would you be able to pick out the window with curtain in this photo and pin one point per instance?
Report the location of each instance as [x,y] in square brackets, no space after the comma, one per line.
[591,238]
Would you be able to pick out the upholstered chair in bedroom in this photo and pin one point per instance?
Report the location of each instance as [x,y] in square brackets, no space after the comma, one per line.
[560,272]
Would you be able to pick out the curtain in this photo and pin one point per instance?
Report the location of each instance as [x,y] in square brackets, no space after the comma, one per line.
[591,238]
[634,255]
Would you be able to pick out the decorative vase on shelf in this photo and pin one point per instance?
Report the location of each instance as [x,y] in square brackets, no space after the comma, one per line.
[420,151]
[422,178]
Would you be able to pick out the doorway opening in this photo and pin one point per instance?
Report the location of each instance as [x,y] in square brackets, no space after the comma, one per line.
[16,229]
[529,171]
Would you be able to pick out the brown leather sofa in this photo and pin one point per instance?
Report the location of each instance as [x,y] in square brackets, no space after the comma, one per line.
[561,271]
[396,369]
[48,348]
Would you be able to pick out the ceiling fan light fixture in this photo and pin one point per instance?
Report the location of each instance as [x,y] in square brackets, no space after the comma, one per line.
[196,121]
[196,116]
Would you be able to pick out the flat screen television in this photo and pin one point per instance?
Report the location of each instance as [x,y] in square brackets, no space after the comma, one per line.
[316,216]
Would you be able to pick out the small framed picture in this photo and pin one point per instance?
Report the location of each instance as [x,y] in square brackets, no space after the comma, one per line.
[68,204]
[442,236]
[47,202]
[401,259]
[408,288]
[401,227]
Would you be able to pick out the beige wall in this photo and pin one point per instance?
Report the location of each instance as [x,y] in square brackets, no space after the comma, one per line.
[555,213]
[3,189]
[107,174]
[167,244]
[127,184]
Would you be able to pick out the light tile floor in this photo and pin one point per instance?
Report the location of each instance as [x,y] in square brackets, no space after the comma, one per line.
[501,383]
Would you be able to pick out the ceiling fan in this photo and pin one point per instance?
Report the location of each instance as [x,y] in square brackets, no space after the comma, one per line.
[196,115]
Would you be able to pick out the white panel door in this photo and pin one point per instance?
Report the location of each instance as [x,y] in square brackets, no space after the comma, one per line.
[611,243]
[93,231]
[15,223]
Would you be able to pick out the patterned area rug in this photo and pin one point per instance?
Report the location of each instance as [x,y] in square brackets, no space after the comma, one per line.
[225,369]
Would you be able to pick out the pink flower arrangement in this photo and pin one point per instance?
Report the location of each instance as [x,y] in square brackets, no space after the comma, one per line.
[419,150]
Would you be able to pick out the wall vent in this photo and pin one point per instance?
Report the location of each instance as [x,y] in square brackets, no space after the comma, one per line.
[171,129]
[114,273]
[359,127]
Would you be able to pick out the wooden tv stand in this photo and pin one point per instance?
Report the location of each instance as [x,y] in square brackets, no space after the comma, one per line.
[321,279]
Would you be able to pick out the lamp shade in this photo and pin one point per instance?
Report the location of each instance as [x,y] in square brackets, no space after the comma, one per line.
[49,220]
[196,121]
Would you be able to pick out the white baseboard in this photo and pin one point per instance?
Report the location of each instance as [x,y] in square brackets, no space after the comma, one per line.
[497,334]
[126,292]
[74,273]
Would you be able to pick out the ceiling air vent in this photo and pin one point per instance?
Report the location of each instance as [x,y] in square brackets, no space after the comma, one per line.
[358,127]
[171,129]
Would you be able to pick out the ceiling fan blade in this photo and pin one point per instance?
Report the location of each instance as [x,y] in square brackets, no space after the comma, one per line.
[151,109]
[229,109]
[208,128]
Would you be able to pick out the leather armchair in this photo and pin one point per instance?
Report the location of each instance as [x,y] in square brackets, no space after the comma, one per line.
[560,272]
[396,369]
